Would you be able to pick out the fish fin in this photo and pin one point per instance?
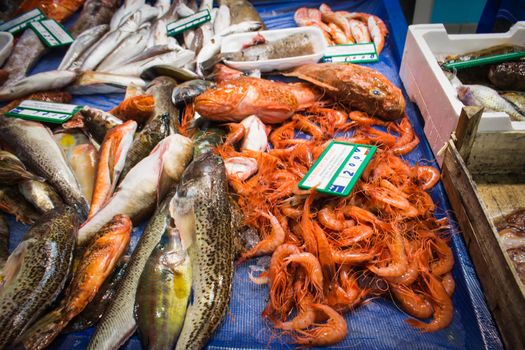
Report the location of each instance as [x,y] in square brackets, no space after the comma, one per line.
[310,79]
[42,333]
[14,262]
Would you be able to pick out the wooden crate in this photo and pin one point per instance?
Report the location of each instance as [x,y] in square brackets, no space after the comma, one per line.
[484,176]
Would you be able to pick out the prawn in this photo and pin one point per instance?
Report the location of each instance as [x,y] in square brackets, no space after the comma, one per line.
[426,176]
[355,234]
[312,267]
[331,332]
[304,125]
[413,303]
[306,224]
[399,264]
[270,243]
[330,220]
[305,314]
[445,263]
[448,283]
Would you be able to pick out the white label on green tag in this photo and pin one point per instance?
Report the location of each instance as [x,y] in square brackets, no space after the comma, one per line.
[355,53]
[338,168]
[49,112]
[189,22]
[21,22]
[51,33]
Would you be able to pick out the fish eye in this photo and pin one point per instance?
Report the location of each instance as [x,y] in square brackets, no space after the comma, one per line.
[376,92]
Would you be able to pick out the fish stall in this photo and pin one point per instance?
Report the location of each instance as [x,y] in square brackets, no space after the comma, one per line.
[232,174]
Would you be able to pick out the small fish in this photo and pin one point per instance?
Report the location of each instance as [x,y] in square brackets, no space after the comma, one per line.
[188,90]
[97,263]
[90,83]
[128,8]
[81,44]
[173,58]
[41,195]
[4,241]
[517,98]
[479,95]
[118,322]
[94,13]
[201,212]
[12,202]
[83,162]
[163,292]
[34,145]
[160,88]
[155,130]
[94,121]
[56,79]
[242,11]
[12,170]
[113,152]
[144,185]
[36,272]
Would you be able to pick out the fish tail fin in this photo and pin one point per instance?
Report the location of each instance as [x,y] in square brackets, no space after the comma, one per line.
[44,331]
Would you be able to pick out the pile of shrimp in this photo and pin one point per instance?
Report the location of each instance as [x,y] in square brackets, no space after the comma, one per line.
[342,27]
[329,254]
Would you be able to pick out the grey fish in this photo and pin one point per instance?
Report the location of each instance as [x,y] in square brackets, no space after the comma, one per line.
[40,194]
[4,241]
[118,322]
[128,8]
[81,44]
[93,14]
[163,292]
[176,58]
[36,272]
[517,98]
[12,170]
[12,202]
[222,20]
[160,88]
[188,90]
[479,95]
[299,44]
[94,121]
[242,11]
[179,74]
[33,143]
[51,80]
[203,216]
[153,132]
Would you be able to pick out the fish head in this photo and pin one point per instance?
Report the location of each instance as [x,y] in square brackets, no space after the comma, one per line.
[222,100]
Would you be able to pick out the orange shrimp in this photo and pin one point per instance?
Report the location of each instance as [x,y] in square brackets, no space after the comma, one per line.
[312,267]
[331,332]
[426,176]
[355,234]
[352,257]
[406,132]
[306,225]
[346,294]
[362,119]
[363,215]
[235,135]
[412,272]
[331,220]
[448,283]
[413,303]
[379,137]
[305,313]
[445,263]
[332,117]
[443,309]
[406,148]
[325,254]
[270,243]
[291,212]
[306,126]
[399,263]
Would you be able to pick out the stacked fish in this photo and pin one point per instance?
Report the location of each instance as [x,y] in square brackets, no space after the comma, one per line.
[114,49]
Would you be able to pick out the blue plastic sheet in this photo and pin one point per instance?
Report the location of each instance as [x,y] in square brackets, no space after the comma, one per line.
[379,323]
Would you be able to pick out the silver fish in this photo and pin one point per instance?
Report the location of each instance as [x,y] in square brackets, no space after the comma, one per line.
[33,143]
[174,58]
[128,8]
[479,95]
[154,51]
[103,83]
[41,195]
[222,20]
[82,43]
[163,6]
[158,34]
[51,80]
[517,98]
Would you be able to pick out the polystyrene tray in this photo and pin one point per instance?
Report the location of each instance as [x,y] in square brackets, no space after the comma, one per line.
[427,85]
[235,42]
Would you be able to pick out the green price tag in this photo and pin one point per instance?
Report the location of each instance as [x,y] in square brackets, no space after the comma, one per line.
[338,168]
[51,33]
[189,22]
[47,112]
[352,53]
[21,22]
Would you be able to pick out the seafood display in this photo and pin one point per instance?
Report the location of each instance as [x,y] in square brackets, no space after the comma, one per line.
[511,230]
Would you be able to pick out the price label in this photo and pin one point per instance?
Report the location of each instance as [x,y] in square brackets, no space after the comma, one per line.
[338,168]
[51,33]
[189,22]
[354,53]
[48,112]
[21,22]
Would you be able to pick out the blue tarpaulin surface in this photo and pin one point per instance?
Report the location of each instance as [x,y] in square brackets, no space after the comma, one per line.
[379,323]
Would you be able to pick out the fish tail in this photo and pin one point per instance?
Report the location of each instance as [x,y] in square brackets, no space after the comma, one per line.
[44,331]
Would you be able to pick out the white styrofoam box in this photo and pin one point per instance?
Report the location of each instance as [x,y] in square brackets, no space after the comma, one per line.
[6,45]
[235,42]
[427,85]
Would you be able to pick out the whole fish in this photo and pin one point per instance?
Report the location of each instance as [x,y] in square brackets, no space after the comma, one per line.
[153,51]
[33,143]
[222,20]
[83,163]
[163,292]
[41,195]
[12,170]
[129,47]
[118,322]
[4,241]
[12,202]
[97,263]
[113,152]
[201,212]
[36,272]
[56,79]
[90,83]
[517,98]
[128,8]
[94,121]
[160,88]
[242,11]
[155,130]
[81,44]
[93,14]
[479,95]
[8,9]
[173,58]
[142,187]
[188,90]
